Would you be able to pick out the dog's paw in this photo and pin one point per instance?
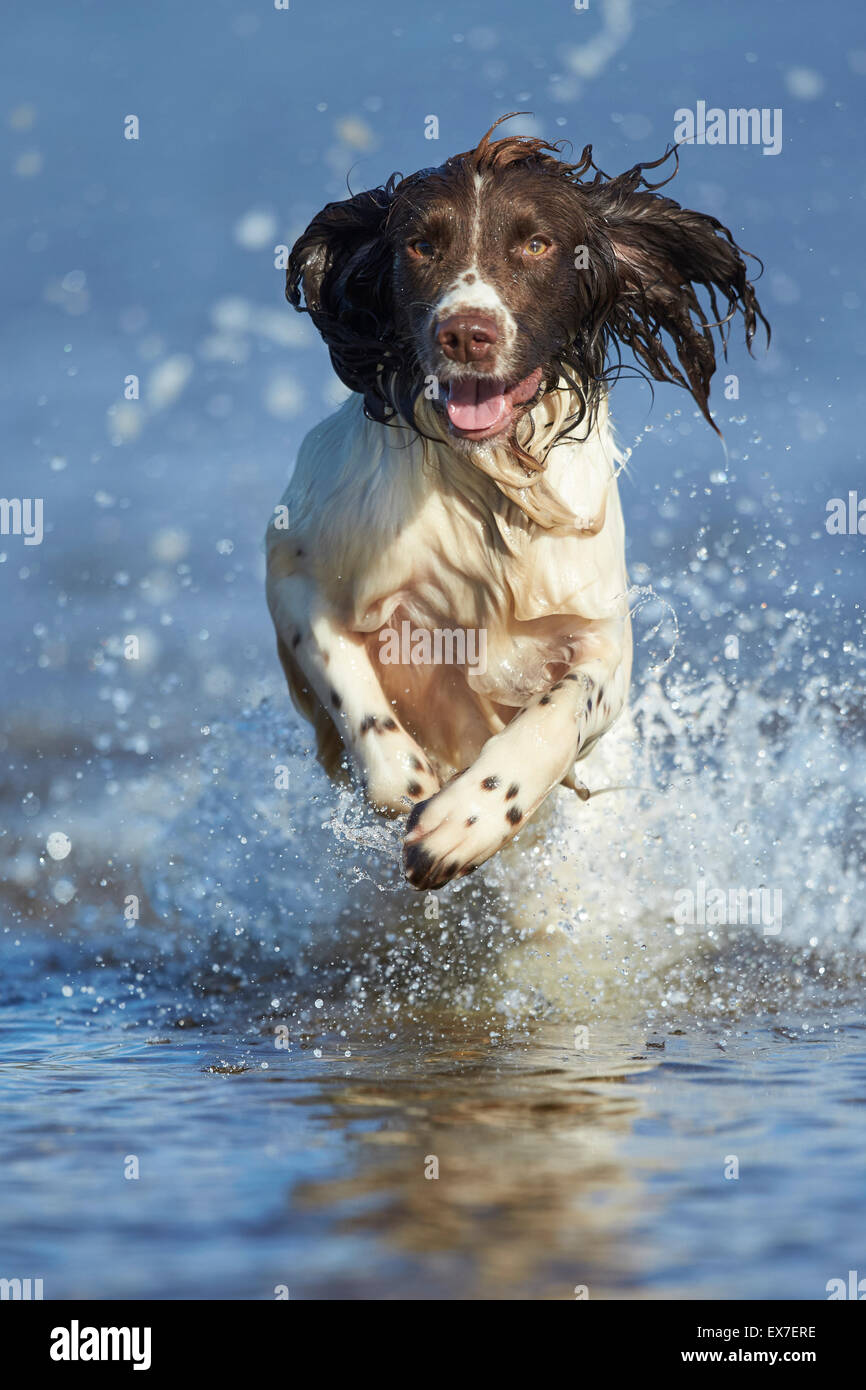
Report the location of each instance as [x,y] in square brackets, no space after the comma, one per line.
[396,774]
[463,825]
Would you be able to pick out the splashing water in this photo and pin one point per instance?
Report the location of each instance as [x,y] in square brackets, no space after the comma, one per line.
[717,866]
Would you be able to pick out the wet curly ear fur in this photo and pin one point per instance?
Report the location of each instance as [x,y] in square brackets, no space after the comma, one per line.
[341,266]
[655,253]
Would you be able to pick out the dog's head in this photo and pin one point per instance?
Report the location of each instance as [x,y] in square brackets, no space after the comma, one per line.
[489,280]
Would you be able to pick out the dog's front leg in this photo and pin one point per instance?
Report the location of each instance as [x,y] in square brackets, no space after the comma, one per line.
[478,811]
[393,771]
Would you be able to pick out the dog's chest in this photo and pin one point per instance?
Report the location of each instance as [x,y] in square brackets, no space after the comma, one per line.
[438,563]
[393,534]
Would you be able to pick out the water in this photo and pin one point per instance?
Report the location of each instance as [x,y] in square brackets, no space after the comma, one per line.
[222,985]
[286,1037]
[553,1171]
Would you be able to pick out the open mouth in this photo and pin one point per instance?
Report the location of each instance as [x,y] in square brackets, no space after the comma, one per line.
[480,407]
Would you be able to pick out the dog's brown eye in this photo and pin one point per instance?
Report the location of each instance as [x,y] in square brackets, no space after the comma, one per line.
[536,246]
[421,248]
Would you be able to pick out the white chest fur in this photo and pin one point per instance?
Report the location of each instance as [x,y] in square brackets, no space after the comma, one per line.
[386,520]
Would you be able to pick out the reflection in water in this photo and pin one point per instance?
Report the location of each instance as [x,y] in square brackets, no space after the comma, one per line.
[610,1170]
[531,1198]
[591,1155]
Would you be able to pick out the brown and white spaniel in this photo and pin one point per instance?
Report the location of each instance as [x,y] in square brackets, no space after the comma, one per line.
[446,569]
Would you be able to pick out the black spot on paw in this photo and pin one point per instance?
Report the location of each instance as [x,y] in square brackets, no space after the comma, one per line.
[589,705]
[514,814]
[571,676]
[418,864]
[512,791]
[471,821]
[558,686]
[490,783]
[414,789]
[389,723]
[335,700]
[417,763]
[368,723]
[545,700]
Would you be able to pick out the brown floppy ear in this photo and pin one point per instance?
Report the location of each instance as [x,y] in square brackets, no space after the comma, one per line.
[661,252]
[341,264]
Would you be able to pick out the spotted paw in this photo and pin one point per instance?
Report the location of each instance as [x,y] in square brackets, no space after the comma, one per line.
[397,774]
[453,832]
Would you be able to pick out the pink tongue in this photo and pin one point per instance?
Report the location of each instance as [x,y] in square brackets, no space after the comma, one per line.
[475,405]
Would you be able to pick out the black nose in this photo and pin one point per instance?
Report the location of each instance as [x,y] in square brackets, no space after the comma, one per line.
[467,337]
